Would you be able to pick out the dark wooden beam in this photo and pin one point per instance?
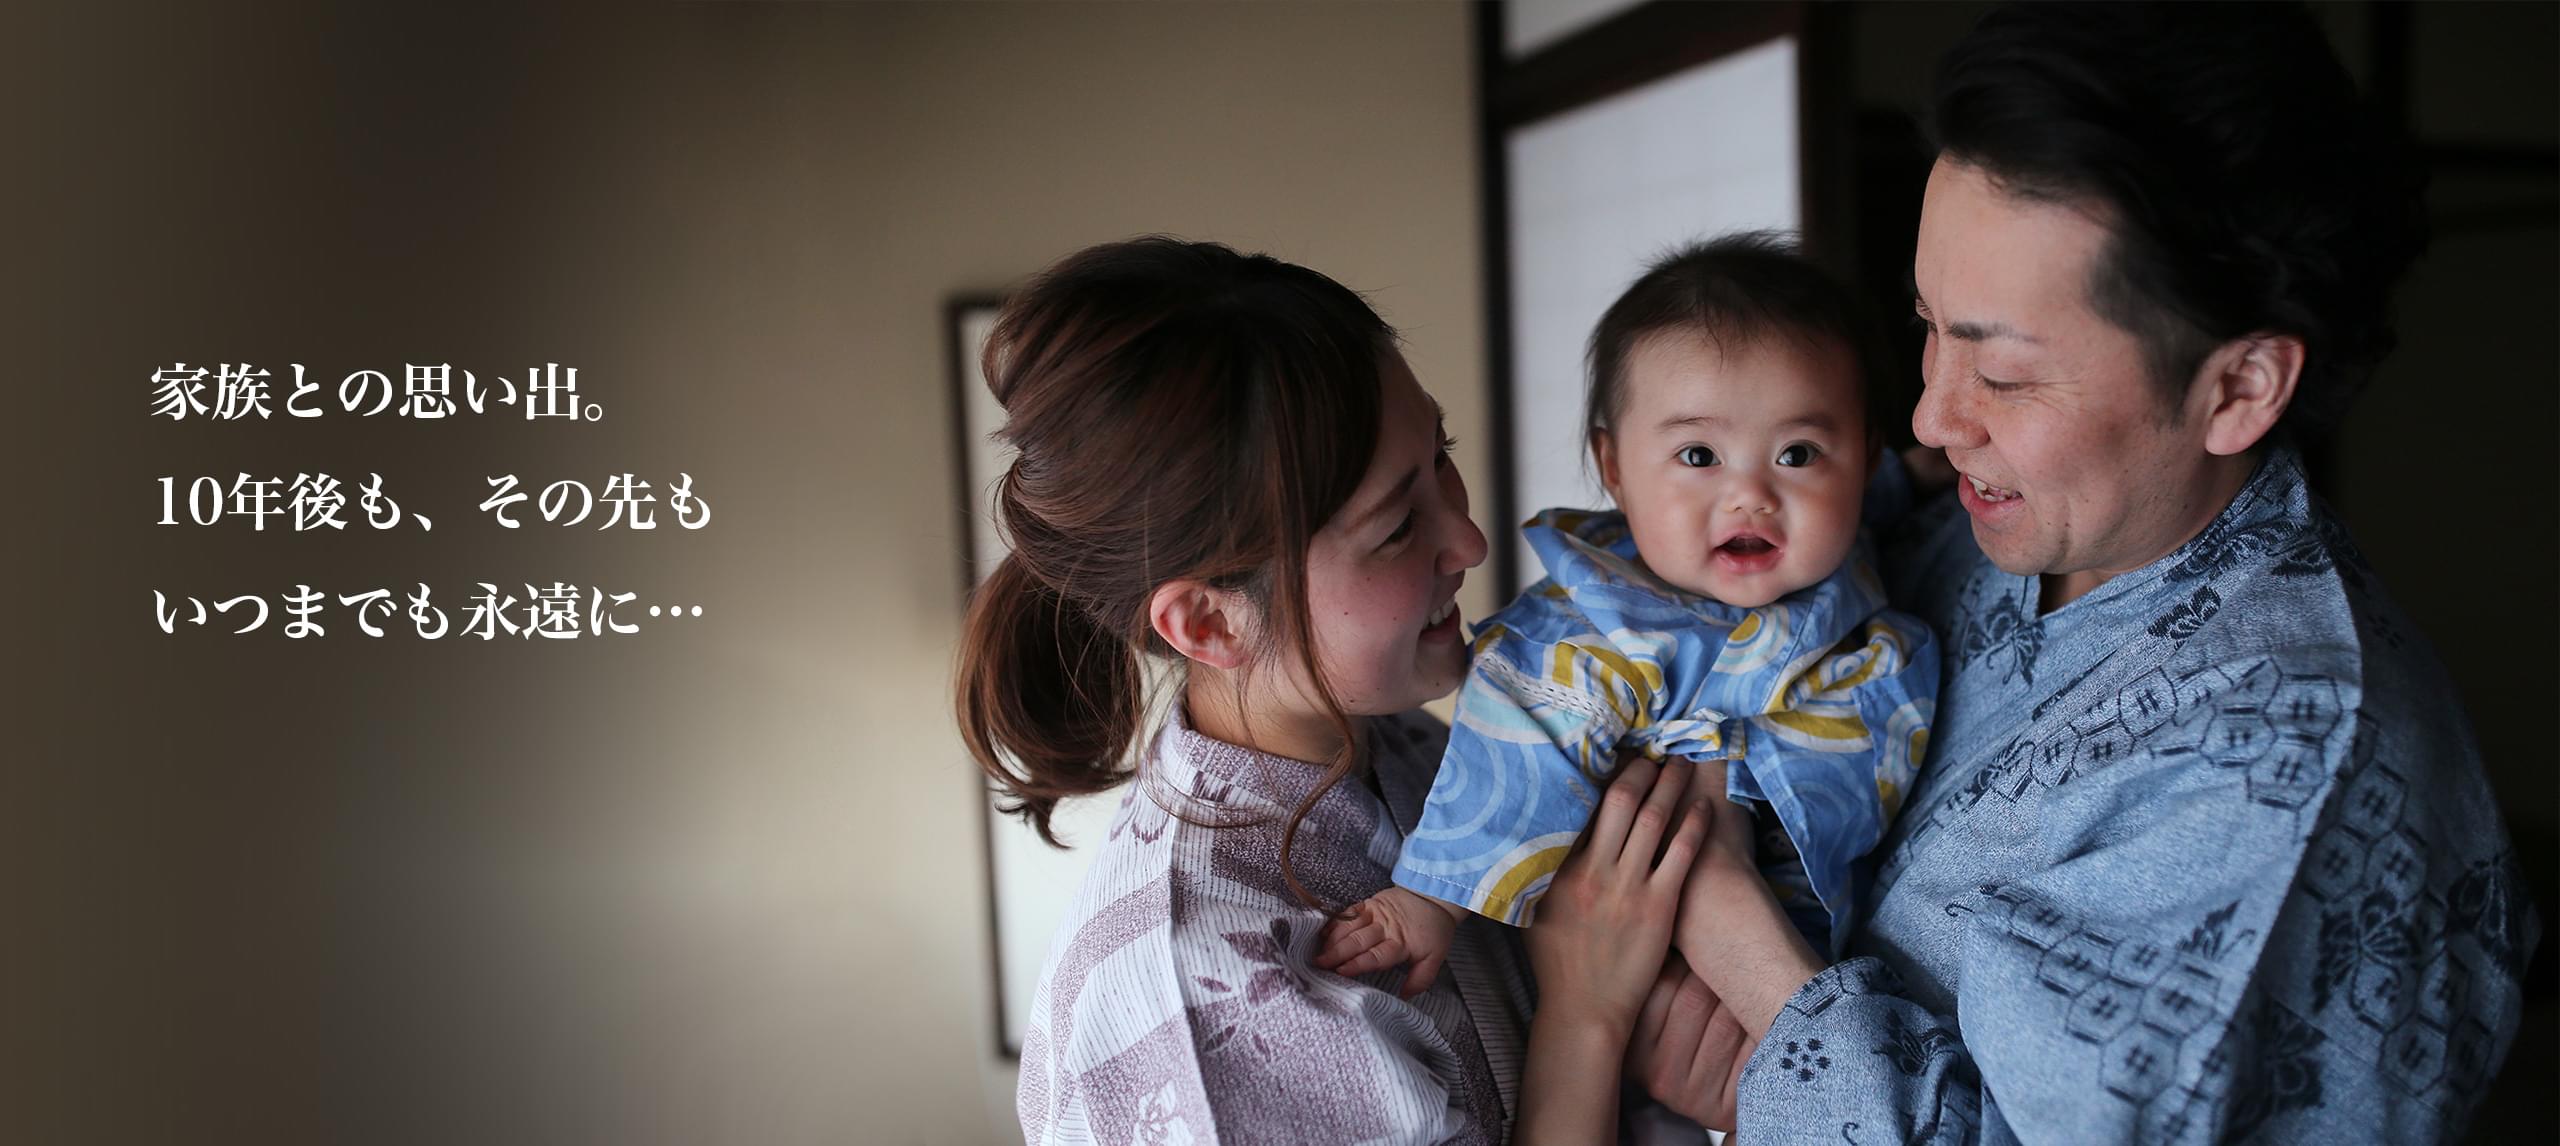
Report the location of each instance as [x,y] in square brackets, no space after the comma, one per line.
[1494,175]
[1628,51]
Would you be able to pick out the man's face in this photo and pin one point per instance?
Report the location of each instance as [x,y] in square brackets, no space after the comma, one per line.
[2073,461]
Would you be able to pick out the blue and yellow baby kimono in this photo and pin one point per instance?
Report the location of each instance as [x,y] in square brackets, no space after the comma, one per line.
[1821,700]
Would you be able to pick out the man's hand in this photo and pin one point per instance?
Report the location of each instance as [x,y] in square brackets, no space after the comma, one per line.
[1729,848]
[1689,1049]
[1731,931]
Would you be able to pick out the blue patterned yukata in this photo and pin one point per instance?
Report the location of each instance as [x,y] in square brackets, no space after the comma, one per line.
[2204,855]
[1821,699]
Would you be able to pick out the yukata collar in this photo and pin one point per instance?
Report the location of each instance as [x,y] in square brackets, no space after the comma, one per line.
[1277,780]
[2274,495]
[1591,556]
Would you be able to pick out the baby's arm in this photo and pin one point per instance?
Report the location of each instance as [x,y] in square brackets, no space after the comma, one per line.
[1391,927]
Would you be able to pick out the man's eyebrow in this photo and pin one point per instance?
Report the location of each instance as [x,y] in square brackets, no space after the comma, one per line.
[1981,331]
[1975,331]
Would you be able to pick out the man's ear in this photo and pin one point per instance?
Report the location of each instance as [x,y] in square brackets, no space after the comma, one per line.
[1604,454]
[2244,387]
[1211,626]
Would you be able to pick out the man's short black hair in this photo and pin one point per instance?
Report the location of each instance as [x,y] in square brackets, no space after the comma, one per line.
[1742,286]
[2247,188]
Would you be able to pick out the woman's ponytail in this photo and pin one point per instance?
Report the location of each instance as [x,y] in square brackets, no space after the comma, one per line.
[1181,411]
[1049,702]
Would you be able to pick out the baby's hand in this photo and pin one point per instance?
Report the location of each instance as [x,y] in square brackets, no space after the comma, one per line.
[1391,927]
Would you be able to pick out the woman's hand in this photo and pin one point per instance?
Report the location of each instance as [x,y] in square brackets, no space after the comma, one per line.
[1603,925]
[1597,942]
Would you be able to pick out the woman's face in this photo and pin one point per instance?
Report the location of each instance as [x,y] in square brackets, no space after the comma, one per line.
[1383,574]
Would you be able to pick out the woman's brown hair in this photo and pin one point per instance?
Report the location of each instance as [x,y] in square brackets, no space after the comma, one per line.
[1182,411]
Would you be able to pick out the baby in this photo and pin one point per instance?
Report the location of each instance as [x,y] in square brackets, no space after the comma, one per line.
[1729,609]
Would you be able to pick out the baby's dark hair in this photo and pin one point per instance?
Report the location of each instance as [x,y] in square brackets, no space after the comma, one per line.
[1741,286]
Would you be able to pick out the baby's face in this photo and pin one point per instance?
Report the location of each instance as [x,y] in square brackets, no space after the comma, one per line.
[1740,467]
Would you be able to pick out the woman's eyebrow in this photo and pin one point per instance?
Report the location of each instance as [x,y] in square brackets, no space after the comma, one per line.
[1361,519]
[1393,497]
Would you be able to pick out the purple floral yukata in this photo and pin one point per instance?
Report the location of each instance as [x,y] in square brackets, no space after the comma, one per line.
[1178,1004]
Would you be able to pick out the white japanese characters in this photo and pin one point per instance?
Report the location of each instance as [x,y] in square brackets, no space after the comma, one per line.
[314,502]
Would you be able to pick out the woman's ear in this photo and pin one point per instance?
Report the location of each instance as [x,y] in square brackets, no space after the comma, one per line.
[1211,626]
[2248,382]
[1604,454]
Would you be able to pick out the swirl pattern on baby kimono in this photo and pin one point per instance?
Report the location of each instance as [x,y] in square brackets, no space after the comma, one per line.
[1820,700]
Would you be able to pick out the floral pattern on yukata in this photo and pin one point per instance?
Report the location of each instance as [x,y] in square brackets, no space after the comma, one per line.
[1179,1003]
[2207,854]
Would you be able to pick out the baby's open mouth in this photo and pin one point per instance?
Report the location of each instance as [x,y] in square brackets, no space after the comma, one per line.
[1744,554]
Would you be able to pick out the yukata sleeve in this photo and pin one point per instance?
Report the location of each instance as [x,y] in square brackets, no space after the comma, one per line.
[1294,1055]
[1535,735]
[2267,936]
[1268,1051]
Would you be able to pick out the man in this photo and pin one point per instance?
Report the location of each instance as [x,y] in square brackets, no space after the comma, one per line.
[2203,850]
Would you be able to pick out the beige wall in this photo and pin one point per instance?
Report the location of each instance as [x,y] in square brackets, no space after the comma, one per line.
[1336,138]
[720,881]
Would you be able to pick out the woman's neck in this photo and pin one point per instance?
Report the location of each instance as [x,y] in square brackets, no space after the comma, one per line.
[1214,709]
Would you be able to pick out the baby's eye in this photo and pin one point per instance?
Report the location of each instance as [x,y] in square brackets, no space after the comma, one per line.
[1799,454]
[1699,456]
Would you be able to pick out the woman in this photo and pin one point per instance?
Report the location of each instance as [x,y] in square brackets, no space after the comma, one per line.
[1226,465]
